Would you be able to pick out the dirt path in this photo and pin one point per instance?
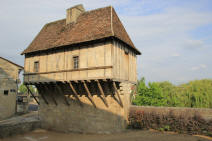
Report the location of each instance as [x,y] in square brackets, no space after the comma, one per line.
[43,135]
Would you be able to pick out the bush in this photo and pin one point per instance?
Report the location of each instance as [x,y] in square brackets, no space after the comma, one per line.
[183,123]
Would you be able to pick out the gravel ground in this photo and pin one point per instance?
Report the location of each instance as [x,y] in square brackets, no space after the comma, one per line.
[130,135]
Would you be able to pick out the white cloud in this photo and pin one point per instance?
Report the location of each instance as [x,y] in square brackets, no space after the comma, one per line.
[175,55]
[162,35]
[199,67]
[193,44]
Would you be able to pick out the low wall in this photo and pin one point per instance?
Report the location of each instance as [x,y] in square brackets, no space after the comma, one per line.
[182,120]
[19,124]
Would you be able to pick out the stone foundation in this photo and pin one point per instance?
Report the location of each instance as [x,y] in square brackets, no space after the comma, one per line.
[87,118]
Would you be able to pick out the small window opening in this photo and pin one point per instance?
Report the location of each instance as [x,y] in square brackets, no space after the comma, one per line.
[6,92]
[76,62]
[13,90]
[126,51]
[36,66]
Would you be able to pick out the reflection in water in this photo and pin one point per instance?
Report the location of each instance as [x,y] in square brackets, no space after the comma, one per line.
[130,135]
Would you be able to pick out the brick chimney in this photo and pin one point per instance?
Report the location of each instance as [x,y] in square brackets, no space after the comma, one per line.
[73,13]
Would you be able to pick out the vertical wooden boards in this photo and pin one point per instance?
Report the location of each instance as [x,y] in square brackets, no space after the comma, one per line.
[121,57]
[92,60]
[95,59]
[75,75]
[124,66]
[26,68]
[68,63]
[115,62]
[130,66]
[108,59]
[83,63]
[35,59]
[126,63]
[51,64]
[59,64]
[99,55]
[121,61]
[42,62]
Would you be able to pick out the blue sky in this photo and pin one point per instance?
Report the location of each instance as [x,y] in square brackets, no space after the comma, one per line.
[174,36]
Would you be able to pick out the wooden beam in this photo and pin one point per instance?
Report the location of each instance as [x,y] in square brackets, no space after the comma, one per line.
[32,94]
[61,92]
[70,70]
[42,95]
[52,93]
[117,92]
[75,93]
[89,94]
[102,92]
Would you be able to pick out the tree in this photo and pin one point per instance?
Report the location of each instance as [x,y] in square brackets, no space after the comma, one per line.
[196,93]
[150,95]
[23,89]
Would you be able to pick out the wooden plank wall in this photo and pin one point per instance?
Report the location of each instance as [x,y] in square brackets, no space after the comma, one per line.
[124,64]
[98,55]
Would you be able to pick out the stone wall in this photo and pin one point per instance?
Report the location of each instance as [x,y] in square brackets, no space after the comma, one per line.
[8,77]
[19,124]
[182,120]
[86,118]
[7,102]
[206,113]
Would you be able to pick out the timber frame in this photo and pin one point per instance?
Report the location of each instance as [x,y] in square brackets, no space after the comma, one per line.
[100,87]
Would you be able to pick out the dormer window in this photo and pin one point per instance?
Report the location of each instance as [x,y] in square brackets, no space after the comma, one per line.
[76,62]
[36,66]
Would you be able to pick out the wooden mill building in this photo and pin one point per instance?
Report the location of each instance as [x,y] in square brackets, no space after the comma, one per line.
[83,67]
[9,80]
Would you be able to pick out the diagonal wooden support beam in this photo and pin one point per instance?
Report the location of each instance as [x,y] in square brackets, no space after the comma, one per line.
[88,93]
[52,93]
[41,93]
[102,92]
[32,94]
[61,92]
[117,92]
[75,93]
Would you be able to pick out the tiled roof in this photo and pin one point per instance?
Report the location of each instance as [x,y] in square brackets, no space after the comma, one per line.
[91,25]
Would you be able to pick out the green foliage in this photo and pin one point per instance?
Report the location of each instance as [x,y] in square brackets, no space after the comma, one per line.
[23,89]
[196,94]
[149,95]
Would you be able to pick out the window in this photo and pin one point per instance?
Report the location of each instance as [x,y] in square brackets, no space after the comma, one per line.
[76,62]
[13,90]
[6,92]
[36,66]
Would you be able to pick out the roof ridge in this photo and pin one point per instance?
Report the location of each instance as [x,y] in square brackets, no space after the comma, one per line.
[82,13]
[111,16]
[97,9]
[54,22]
[11,62]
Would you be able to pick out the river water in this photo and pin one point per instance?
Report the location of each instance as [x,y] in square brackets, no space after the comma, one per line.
[43,135]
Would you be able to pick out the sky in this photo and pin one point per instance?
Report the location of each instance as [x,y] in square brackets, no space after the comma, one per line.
[174,36]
